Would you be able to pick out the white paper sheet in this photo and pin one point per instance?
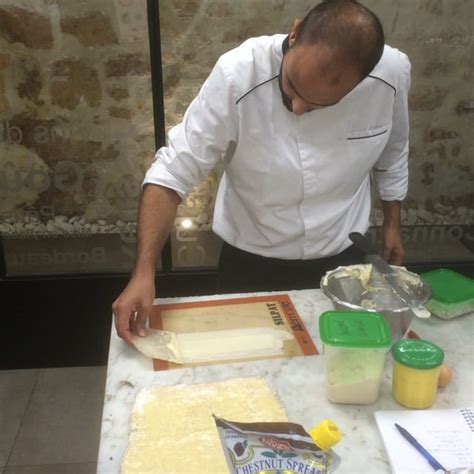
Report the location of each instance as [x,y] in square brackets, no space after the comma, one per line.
[448,435]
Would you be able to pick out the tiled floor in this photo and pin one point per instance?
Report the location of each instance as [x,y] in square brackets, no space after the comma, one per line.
[50,420]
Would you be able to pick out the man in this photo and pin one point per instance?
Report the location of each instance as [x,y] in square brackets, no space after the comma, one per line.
[300,123]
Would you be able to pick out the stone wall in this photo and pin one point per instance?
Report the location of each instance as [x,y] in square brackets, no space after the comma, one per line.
[437,36]
[76,122]
[76,119]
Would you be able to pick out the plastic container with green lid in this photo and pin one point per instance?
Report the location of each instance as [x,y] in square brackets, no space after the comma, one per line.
[452,293]
[355,344]
[416,366]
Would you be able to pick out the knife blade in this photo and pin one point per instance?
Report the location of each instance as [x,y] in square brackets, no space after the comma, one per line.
[400,287]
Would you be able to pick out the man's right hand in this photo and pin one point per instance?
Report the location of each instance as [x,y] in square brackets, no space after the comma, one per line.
[131,309]
[156,215]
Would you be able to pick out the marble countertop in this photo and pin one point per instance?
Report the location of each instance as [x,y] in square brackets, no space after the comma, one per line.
[298,383]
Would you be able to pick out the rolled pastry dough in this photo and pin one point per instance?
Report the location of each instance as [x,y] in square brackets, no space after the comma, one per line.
[207,346]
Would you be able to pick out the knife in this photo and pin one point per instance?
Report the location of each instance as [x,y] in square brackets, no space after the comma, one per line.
[392,278]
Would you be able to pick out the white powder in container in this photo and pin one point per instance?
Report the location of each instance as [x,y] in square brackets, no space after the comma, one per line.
[353,376]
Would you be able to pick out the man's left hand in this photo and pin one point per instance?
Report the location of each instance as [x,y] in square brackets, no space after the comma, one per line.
[392,245]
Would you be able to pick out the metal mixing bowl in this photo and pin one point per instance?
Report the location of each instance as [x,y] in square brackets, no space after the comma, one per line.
[360,287]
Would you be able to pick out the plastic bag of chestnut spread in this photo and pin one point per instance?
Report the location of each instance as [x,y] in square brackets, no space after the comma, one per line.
[278,448]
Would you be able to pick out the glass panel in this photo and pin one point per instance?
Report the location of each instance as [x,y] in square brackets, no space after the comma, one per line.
[76,133]
[185,67]
[438,214]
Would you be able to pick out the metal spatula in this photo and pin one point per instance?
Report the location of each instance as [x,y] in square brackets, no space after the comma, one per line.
[391,277]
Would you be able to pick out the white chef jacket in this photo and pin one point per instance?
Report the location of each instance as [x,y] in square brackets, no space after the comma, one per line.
[294,186]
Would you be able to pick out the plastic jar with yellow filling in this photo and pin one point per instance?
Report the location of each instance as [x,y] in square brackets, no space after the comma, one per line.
[416,366]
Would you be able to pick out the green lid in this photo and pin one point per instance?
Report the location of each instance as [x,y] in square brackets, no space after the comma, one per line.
[360,329]
[417,353]
[449,287]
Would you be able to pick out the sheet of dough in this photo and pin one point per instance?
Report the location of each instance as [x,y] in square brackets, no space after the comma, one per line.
[172,429]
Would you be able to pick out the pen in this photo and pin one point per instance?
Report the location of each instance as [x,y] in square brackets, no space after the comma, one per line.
[432,461]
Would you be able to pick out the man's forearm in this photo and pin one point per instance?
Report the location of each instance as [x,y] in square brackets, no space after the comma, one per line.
[157,211]
[392,213]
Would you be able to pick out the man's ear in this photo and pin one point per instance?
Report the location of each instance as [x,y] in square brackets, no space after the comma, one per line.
[295,31]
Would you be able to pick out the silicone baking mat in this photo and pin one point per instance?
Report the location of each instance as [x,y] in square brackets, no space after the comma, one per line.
[275,311]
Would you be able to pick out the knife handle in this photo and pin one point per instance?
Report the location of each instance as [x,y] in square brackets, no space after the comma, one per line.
[362,243]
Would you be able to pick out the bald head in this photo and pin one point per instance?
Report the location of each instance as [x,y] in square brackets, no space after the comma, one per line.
[352,33]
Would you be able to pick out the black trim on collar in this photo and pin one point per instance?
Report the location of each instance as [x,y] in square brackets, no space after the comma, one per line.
[285,45]
[253,88]
[385,82]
